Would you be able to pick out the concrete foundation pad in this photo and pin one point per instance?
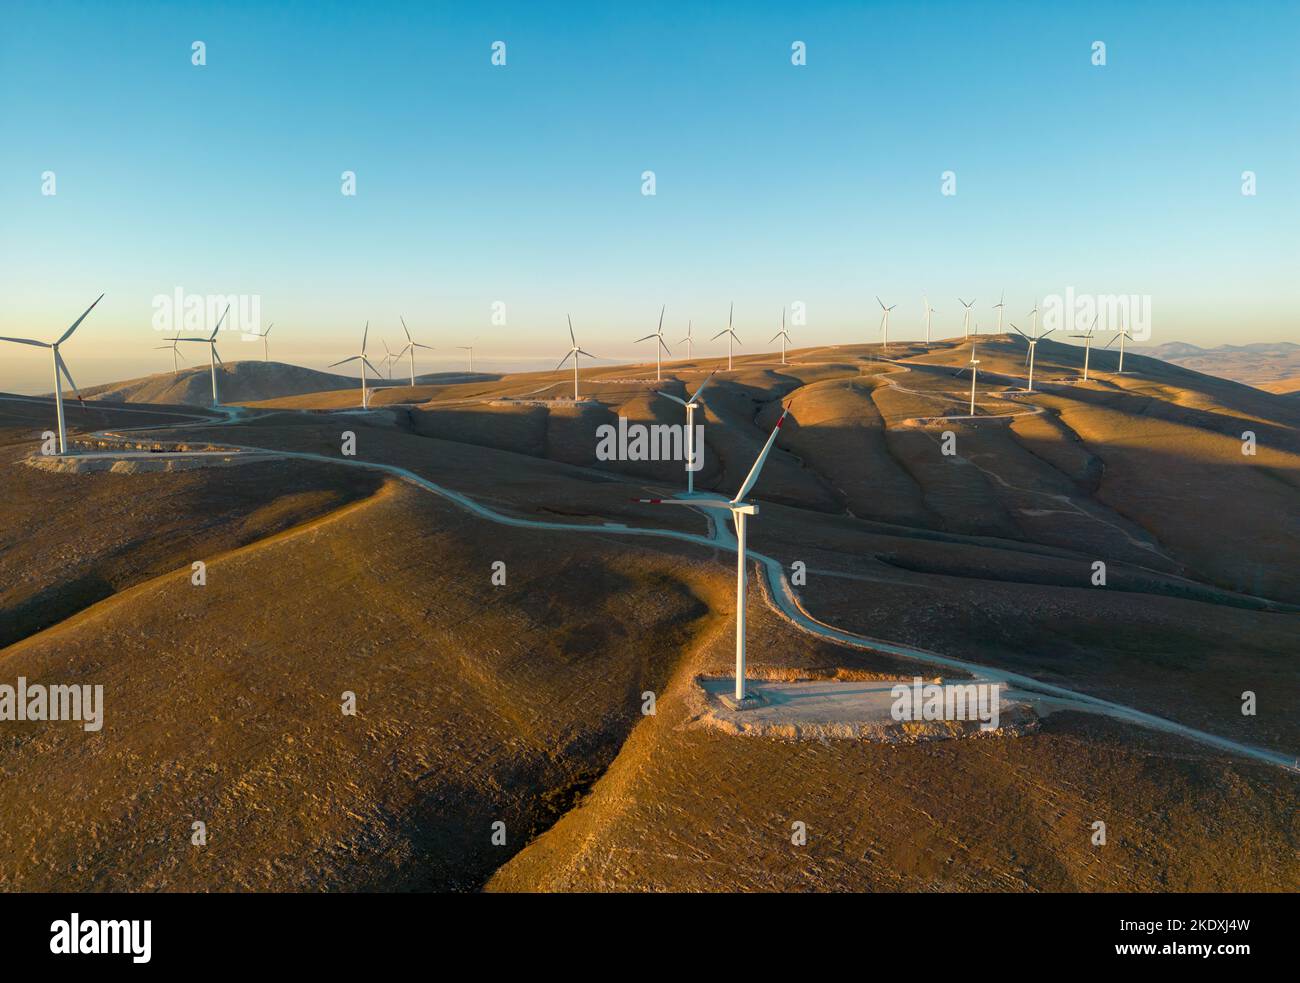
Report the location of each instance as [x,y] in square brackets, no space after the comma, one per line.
[752,700]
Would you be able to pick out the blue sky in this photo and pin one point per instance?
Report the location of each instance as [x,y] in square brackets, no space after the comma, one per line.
[522,184]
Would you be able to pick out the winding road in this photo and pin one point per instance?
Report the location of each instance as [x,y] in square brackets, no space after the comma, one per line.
[780,597]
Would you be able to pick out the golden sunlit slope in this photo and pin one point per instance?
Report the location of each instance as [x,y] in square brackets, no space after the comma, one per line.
[237,382]
[475,704]
[685,808]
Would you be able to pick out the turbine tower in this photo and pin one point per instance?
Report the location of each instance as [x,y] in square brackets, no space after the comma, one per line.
[468,348]
[688,340]
[365,363]
[60,367]
[1033,345]
[660,347]
[573,353]
[965,318]
[213,357]
[730,333]
[690,405]
[1121,336]
[1087,346]
[411,346]
[884,320]
[928,311]
[974,372]
[782,335]
[740,509]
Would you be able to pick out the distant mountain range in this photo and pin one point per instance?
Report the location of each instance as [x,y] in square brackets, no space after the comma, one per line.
[1274,366]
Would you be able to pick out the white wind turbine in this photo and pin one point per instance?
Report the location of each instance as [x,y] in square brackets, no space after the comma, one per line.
[965,318]
[690,405]
[365,363]
[573,353]
[176,353]
[974,372]
[688,340]
[389,358]
[739,509]
[783,335]
[1033,345]
[1087,346]
[411,346]
[999,306]
[928,311]
[660,347]
[1121,336]
[468,348]
[213,357]
[730,333]
[266,351]
[60,367]
[884,320]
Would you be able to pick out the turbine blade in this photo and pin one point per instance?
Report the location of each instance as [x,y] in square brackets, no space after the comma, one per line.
[571,337]
[58,357]
[565,359]
[219,321]
[217,355]
[762,457]
[663,346]
[28,341]
[661,318]
[719,334]
[1019,332]
[404,328]
[350,358]
[717,503]
[707,380]
[364,335]
[67,334]
[646,338]
[675,399]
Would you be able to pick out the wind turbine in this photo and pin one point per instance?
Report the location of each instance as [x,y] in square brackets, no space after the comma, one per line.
[1121,336]
[213,357]
[688,340]
[782,335]
[658,336]
[389,358]
[175,350]
[999,307]
[411,346]
[266,352]
[1033,344]
[574,352]
[60,366]
[928,311]
[365,363]
[468,348]
[965,318]
[974,372]
[740,509]
[731,334]
[1087,345]
[884,320]
[690,405]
